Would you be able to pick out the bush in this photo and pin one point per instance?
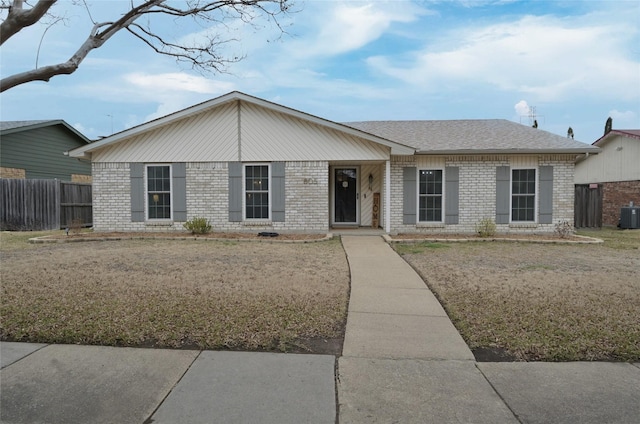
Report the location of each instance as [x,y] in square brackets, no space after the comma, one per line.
[198,226]
[76,225]
[563,229]
[486,227]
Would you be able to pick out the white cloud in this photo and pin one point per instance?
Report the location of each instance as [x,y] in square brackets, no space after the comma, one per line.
[176,82]
[340,27]
[174,91]
[352,26]
[624,120]
[547,57]
[522,108]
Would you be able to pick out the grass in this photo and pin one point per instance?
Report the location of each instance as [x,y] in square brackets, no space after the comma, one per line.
[415,248]
[615,238]
[541,302]
[176,294]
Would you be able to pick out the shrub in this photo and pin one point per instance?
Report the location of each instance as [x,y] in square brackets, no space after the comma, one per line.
[75,227]
[563,229]
[198,226]
[486,227]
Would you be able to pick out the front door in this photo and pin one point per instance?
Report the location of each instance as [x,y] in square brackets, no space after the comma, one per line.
[346,194]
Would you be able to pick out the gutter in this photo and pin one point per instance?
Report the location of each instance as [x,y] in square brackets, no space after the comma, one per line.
[509,152]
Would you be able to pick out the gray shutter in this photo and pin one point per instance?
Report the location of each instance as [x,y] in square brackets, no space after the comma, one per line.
[136,172]
[546,195]
[179,191]
[409,202]
[503,192]
[235,191]
[452,190]
[277,192]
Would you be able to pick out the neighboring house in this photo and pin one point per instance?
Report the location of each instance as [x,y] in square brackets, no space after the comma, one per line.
[36,150]
[247,164]
[613,175]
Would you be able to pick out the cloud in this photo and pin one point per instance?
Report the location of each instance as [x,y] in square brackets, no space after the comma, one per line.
[176,82]
[624,120]
[522,108]
[548,57]
[174,91]
[340,27]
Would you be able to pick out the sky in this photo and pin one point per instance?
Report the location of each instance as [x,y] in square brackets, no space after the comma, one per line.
[569,63]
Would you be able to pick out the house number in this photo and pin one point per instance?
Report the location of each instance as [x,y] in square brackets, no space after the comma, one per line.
[310,181]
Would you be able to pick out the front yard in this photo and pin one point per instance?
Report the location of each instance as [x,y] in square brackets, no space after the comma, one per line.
[538,301]
[179,294]
[513,301]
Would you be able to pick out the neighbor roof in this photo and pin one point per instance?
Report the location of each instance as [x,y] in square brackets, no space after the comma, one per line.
[8,127]
[608,136]
[472,136]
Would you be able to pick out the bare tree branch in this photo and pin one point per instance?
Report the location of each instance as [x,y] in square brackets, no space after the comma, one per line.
[18,18]
[205,57]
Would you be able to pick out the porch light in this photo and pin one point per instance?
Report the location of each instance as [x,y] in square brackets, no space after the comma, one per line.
[370,181]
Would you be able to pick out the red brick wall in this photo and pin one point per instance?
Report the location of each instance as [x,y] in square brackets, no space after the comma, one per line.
[614,196]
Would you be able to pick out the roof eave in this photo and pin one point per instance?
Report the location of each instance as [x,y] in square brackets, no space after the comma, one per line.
[578,151]
[48,124]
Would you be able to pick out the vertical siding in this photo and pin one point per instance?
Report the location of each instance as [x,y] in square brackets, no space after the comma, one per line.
[366,193]
[618,161]
[40,152]
[210,136]
[270,136]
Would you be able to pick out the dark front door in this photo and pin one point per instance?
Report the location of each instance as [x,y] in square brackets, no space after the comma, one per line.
[345,186]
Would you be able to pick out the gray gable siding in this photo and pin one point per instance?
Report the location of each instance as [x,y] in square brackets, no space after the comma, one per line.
[40,152]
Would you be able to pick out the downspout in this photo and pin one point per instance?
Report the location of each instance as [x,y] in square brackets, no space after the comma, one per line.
[387,196]
[239,132]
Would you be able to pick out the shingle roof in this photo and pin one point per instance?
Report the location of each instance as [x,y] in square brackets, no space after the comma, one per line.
[635,134]
[10,125]
[471,136]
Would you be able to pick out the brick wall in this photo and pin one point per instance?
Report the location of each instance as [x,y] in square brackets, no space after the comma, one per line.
[477,193]
[616,195]
[80,178]
[14,173]
[306,208]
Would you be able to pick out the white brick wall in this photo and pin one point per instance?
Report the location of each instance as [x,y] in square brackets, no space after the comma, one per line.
[477,193]
[307,196]
[306,207]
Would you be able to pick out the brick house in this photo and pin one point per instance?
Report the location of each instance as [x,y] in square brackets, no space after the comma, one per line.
[614,174]
[247,164]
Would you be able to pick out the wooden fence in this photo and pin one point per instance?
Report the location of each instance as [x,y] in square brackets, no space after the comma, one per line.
[588,206]
[44,204]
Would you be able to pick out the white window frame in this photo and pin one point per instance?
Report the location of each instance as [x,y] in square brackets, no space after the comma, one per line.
[418,196]
[244,192]
[146,192]
[535,194]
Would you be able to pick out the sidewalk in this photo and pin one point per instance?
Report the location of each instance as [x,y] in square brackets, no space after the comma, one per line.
[94,384]
[403,362]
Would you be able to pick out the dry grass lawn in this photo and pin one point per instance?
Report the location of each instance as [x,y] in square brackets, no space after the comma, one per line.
[171,293]
[539,301]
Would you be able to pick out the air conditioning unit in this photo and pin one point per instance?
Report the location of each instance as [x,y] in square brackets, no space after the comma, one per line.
[630,217]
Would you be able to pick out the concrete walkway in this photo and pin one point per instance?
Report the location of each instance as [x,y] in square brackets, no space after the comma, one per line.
[403,362]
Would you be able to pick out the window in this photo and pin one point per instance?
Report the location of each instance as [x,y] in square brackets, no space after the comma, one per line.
[523,194]
[158,192]
[430,196]
[256,184]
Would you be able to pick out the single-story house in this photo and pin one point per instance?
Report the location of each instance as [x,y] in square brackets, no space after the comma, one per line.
[613,175]
[35,150]
[247,164]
